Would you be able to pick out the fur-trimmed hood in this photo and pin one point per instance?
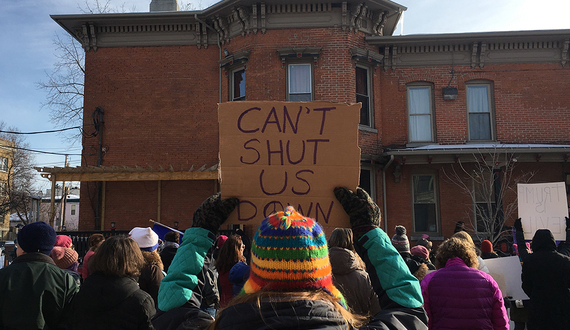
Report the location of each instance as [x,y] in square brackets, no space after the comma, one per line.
[153,258]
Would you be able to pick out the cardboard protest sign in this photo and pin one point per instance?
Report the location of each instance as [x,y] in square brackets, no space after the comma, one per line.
[509,270]
[543,206]
[275,154]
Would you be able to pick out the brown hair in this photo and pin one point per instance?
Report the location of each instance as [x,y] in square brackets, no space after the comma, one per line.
[172,236]
[343,238]
[354,320]
[117,256]
[456,247]
[94,241]
[230,254]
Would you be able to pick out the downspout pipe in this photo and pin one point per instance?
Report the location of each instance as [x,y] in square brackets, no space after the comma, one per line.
[220,56]
[384,203]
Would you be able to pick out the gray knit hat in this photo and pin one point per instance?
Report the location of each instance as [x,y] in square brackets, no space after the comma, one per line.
[400,240]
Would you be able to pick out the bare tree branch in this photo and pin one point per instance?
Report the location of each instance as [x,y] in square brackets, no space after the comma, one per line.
[15,194]
[478,179]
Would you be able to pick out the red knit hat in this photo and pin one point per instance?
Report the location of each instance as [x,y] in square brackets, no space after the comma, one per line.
[63,257]
[486,246]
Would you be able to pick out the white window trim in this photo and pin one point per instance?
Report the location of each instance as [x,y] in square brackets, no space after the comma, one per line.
[491,94]
[3,160]
[429,86]
[311,77]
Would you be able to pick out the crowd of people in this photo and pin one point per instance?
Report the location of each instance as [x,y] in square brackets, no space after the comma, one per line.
[289,276]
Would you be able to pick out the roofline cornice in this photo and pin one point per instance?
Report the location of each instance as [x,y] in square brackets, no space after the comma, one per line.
[466,38]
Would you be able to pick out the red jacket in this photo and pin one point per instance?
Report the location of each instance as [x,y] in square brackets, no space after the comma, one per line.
[461,297]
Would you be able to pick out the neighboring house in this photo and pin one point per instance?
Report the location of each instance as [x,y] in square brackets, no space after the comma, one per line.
[71,217]
[429,102]
[6,159]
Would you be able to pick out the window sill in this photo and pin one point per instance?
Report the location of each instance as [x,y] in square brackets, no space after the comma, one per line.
[367,128]
[420,144]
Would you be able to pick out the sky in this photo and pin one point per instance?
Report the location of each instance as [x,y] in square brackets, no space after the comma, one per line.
[27,51]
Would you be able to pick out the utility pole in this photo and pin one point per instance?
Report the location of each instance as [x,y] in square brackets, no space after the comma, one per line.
[63,200]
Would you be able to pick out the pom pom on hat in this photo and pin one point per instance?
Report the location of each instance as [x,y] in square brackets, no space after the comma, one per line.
[420,250]
[289,253]
[486,246]
[37,237]
[146,238]
[63,241]
[400,240]
[63,257]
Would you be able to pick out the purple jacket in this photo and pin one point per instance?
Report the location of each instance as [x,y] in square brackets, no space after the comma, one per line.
[460,297]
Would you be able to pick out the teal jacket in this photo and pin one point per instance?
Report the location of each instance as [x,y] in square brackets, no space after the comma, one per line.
[389,270]
[35,293]
[182,279]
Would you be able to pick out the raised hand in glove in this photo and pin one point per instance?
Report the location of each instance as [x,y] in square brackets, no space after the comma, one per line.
[213,212]
[363,212]
[518,225]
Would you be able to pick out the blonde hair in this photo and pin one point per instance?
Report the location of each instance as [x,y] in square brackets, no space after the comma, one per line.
[353,320]
[456,247]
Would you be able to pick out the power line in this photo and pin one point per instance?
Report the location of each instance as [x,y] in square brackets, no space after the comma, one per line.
[39,151]
[42,132]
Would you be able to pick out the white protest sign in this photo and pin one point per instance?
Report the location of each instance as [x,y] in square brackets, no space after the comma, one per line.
[543,206]
[510,269]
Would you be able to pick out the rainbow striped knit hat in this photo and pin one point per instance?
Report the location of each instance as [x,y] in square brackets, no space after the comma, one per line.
[289,253]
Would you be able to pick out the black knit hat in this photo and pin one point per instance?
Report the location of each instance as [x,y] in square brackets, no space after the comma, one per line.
[37,237]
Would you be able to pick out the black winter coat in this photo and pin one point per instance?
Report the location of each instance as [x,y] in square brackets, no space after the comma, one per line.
[106,302]
[546,280]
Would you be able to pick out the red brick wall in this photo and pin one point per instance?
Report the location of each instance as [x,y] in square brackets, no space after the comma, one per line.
[529,104]
[160,108]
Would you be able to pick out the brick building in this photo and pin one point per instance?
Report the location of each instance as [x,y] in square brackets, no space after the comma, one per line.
[6,165]
[432,104]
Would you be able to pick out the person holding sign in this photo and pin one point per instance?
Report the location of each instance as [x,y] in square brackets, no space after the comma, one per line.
[546,280]
[290,285]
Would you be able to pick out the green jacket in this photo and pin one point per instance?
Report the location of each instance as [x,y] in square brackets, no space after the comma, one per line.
[34,293]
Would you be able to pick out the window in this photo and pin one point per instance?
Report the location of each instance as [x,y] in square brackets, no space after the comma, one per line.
[3,164]
[73,209]
[367,180]
[484,200]
[300,85]
[479,109]
[237,82]
[425,208]
[3,188]
[420,113]
[363,95]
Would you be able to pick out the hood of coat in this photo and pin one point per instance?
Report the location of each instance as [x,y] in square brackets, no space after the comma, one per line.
[543,240]
[343,261]
[102,293]
[153,258]
[297,314]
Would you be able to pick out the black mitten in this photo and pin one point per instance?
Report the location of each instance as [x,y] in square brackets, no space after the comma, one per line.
[518,225]
[213,212]
[567,223]
[363,212]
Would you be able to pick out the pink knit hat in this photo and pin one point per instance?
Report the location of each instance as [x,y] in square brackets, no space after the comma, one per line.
[63,240]
[63,257]
[420,250]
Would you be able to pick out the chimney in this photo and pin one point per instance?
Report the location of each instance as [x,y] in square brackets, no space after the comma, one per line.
[163,5]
